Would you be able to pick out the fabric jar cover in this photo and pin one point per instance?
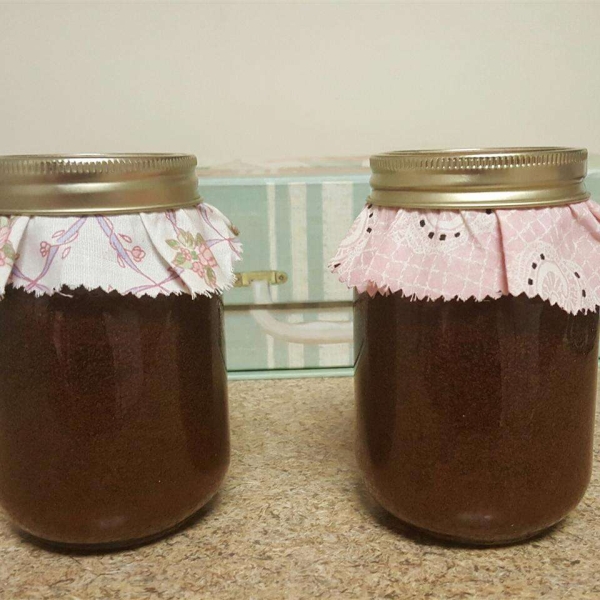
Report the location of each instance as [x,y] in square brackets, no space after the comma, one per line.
[189,250]
[551,252]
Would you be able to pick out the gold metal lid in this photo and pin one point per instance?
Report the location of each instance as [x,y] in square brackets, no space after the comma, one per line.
[474,179]
[96,183]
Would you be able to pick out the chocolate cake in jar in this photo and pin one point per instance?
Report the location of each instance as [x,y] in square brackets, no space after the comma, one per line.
[113,396]
[476,338]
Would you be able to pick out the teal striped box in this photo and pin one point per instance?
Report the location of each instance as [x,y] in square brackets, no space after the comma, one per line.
[291,219]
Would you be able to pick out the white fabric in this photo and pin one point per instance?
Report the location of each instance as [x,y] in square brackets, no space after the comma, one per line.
[190,250]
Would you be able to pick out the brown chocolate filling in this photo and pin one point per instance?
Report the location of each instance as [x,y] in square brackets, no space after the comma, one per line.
[475,419]
[113,413]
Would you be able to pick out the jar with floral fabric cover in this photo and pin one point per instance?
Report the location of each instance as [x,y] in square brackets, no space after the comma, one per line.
[113,394]
[476,338]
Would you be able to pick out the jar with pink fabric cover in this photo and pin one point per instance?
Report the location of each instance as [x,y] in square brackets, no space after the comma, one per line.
[476,338]
[113,388]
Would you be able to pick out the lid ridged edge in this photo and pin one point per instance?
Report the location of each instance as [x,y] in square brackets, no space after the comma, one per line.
[55,185]
[494,178]
[477,159]
[93,164]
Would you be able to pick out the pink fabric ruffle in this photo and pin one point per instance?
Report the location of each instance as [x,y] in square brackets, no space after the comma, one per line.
[553,253]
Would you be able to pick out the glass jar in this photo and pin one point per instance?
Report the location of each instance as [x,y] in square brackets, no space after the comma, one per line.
[113,395]
[476,338]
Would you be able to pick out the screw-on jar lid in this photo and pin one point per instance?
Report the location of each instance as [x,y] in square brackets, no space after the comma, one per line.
[474,179]
[96,183]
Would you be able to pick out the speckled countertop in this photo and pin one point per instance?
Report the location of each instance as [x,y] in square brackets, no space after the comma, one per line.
[293,521]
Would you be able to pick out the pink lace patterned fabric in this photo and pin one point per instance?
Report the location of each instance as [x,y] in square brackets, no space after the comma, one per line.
[191,250]
[553,253]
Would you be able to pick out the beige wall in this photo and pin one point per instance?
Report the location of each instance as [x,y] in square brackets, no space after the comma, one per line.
[269,81]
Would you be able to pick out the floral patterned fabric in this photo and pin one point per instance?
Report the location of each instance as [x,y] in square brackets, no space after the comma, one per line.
[553,253]
[190,250]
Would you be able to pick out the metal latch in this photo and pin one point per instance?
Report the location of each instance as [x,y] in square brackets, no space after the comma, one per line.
[271,277]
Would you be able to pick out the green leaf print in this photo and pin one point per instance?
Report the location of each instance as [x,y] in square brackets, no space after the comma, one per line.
[191,254]
[9,251]
[186,238]
[179,259]
[211,278]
